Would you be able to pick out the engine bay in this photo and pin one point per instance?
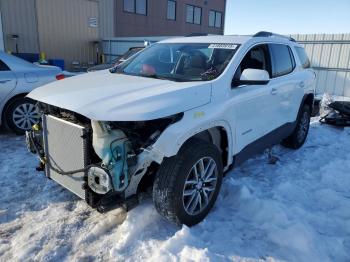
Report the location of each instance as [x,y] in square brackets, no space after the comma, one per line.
[116,154]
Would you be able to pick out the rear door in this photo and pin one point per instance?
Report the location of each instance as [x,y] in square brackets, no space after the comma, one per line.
[7,81]
[287,89]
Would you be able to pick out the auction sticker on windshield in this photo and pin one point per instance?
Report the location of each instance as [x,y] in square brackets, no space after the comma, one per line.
[223,46]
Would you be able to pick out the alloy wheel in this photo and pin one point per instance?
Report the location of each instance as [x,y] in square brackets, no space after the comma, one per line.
[25,116]
[200,185]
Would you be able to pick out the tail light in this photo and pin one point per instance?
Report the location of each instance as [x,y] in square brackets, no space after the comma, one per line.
[60,77]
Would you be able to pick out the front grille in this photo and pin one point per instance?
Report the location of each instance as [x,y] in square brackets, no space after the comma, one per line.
[65,147]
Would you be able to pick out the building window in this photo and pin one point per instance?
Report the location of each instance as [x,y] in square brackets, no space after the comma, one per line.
[215,18]
[135,6]
[171,11]
[193,14]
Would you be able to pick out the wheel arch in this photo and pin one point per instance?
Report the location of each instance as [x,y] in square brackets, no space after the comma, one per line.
[308,99]
[218,136]
[7,104]
[217,132]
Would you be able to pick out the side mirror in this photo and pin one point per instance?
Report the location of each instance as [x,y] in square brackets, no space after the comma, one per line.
[251,76]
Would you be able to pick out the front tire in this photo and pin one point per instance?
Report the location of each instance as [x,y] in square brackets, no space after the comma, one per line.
[298,137]
[21,115]
[187,185]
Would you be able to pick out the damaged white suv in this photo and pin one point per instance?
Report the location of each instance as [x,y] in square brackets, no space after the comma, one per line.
[173,118]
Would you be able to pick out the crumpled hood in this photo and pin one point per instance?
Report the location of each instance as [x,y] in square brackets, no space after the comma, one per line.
[107,96]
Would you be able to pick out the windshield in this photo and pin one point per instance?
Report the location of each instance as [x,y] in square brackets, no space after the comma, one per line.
[180,62]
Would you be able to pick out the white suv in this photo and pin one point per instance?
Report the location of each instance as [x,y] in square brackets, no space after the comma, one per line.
[173,118]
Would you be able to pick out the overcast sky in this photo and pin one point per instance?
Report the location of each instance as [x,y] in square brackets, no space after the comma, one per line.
[287,16]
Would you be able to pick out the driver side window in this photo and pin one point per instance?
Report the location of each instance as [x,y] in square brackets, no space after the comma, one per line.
[257,58]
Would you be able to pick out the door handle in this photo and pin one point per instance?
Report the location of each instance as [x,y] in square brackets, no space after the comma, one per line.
[273,91]
[4,81]
[301,84]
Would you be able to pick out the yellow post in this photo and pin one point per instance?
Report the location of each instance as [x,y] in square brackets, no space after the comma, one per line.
[42,58]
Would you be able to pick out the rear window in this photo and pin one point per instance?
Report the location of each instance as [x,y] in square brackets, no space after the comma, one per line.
[282,60]
[305,62]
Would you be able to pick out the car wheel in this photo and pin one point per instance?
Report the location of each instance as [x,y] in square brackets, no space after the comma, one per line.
[298,137]
[21,115]
[186,185]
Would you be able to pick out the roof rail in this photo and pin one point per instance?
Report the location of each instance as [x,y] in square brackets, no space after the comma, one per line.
[269,34]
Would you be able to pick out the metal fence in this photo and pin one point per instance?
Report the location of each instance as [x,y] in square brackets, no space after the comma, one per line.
[330,57]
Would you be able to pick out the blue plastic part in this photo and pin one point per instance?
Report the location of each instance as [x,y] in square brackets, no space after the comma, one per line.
[119,166]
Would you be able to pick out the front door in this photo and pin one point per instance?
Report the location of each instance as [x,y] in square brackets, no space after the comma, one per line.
[252,105]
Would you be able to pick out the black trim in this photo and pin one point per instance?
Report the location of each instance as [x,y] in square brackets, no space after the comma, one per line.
[273,138]
[236,83]
[4,67]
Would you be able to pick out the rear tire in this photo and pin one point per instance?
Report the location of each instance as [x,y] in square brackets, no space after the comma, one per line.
[180,195]
[298,137]
[21,114]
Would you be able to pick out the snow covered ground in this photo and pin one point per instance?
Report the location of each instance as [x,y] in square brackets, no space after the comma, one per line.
[296,210]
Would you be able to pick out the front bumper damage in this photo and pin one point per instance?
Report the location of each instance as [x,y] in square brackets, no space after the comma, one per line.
[95,162]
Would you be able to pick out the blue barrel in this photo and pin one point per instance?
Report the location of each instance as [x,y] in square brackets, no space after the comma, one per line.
[57,62]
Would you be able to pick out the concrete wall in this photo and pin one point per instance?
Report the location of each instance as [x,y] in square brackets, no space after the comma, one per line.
[330,57]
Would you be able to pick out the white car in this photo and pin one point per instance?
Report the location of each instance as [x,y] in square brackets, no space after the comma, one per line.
[173,118]
[17,78]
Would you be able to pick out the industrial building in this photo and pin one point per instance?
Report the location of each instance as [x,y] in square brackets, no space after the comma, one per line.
[72,29]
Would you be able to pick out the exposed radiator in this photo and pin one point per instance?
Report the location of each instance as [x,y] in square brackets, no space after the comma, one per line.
[65,149]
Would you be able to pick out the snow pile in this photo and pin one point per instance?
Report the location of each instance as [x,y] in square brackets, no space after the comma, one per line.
[296,210]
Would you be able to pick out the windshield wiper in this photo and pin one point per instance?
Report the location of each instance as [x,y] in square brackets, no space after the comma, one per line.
[155,76]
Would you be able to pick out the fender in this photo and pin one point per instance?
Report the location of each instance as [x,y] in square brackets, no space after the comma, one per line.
[167,146]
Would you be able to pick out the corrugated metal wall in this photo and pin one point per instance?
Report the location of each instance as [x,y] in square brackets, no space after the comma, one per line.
[59,28]
[19,17]
[65,31]
[107,18]
[330,57]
